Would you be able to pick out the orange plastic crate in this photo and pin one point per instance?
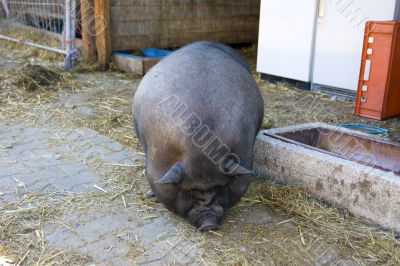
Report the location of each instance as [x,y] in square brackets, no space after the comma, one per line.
[378,94]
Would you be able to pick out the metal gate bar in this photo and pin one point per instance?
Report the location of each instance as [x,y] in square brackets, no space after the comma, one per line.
[58,16]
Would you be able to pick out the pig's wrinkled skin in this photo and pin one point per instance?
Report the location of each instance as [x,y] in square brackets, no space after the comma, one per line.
[216,84]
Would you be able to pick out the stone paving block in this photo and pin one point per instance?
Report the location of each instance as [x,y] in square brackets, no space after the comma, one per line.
[31,131]
[7,146]
[75,99]
[153,229]
[21,149]
[81,188]
[34,138]
[9,136]
[13,130]
[71,135]
[63,238]
[3,128]
[7,197]
[16,126]
[72,169]
[26,180]
[70,182]
[95,229]
[9,171]
[26,155]
[83,144]
[113,146]
[42,150]
[89,149]
[101,139]
[51,171]
[57,150]
[104,249]
[88,133]
[43,162]
[119,157]
[175,251]
[4,162]
[117,261]
[42,186]
[6,183]
[136,160]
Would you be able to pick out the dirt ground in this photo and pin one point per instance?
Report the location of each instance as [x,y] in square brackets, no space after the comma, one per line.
[272,225]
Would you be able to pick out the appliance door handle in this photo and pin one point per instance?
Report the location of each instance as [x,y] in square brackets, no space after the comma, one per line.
[321,11]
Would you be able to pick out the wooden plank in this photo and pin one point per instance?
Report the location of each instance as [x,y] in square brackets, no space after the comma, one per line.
[103,36]
[180,3]
[136,13]
[88,29]
[139,66]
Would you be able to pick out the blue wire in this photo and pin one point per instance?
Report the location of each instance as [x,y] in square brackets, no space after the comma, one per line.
[368,129]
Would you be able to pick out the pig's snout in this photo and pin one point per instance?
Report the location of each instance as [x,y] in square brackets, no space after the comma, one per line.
[207,223]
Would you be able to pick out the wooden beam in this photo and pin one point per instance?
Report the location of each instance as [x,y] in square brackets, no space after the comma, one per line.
[88,29]
[103,36]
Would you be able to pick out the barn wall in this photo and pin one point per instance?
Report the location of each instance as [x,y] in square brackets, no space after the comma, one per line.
[173,23]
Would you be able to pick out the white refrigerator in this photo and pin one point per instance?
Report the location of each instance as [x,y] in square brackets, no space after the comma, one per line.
[317,43]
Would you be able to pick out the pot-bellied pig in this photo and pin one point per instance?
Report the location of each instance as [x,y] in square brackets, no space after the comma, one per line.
[197,113]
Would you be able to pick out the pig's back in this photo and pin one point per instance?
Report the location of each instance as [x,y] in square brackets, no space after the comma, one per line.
[214,83]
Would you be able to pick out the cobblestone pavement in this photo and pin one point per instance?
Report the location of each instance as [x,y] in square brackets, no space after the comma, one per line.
[34,160]
[31,163]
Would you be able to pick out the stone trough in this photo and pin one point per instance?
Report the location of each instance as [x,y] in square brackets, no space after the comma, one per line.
[355,170]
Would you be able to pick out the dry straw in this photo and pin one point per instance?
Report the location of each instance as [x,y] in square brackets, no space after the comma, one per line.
[36,99]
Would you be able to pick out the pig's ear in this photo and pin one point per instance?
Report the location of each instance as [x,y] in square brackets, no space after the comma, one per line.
[173,176]
[239,170]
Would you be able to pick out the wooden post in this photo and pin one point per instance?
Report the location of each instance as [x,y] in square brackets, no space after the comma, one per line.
[88,29]
[103,37]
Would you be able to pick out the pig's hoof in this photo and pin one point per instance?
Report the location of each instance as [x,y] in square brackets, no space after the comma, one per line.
[150,195]
[210,223]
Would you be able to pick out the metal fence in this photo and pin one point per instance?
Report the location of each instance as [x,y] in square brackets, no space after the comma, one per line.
[57,22]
